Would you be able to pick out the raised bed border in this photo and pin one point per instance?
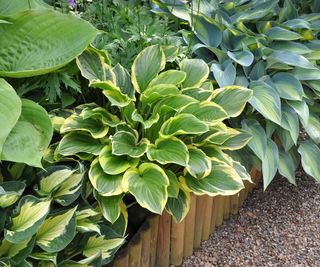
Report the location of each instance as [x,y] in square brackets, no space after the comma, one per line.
[161,242]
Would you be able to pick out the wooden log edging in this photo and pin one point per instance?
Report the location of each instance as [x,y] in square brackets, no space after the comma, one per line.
[161,241]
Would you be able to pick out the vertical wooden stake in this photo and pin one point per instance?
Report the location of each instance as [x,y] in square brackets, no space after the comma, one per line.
[122,260]
[242,197]
[163,245]
[219,210]
[154,225]
[177,242]
[206,229]
[146,241]
[201,205]
[234,204]
[189,227]
[135,247]
[226,210]
[213,215]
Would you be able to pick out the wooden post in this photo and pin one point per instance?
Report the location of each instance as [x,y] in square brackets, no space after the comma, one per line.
[206,229]
[145,232]
[177,242]
[219,210]
[135,247]
[242,197]
[122,260]
[154,225]
[200,211]
[189,227]
[213,215]
[226,210]
[234,204]
[163,244]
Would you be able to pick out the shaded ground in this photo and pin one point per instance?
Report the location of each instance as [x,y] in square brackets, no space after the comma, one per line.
[280,227]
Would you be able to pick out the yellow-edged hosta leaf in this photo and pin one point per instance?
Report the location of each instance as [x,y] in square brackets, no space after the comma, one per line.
[157,92]
[170,77]
[179,207]
[197,72]
[199,164]
[173,188]
[99,113]
[110,206]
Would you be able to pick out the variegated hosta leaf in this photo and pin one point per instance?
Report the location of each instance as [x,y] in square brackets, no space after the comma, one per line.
[27,218]
[238,139]
[232,99]
[57,231]
[313,127]
[173,188]
[179,207]
[224,74]
[223,180]
[99,113]
[76,123]
[146,67]
[157,92]
[302,109]
[170,77]
[287,166]
[154,118]
[123,80]
[110,206]
[10,192]
[78,142]
[112,164]
[46,258]
[105,184]
[197,72]
[199,165]
[270,163]
[241,170]
[169,150]
[290,122]
[183,124]
[199,94]
[244,58]
[173,103]
[310,154]
[124,143]
[148,184]
[87,221]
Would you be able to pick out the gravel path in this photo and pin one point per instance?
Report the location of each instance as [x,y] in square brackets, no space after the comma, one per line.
[280,227]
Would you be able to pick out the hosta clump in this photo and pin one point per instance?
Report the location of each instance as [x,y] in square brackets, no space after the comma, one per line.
[159,136]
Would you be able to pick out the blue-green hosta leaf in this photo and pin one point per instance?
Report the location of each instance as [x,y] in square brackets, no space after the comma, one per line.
[224,74]
[173,188]
[232,99]
[112,164]
[223,180]
[79,142]
[294,47]
[302,109]
[270,163]
[208,112]
[169,150]
[124,143]
[26,220]
[241,170]
[244,58]
[266,101]
[179,207]
[48,53]
[10,192]
[183,124]
[17,252]
[207,30]
[285,138]
[113,93]
[10,109]
[105,184]
[171,77]
[278,33]
[148,184]
[30,137]
[303,74]
[310,154]
[99,113]
[258,143]
[123,80]
[313,127]
[146,67]
[290,122]
[288,86]
[292,60]
[287,166]
[57,231]
[199,164]
[110,206]
[197,72]
[297,23]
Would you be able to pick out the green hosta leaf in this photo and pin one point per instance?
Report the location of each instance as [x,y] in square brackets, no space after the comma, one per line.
[99,113]
[199,164]
[10,192]
[292,59]
[206,30]
[224,74]
[30,137]
[110,206]
[124,143]
[79,142]
[123,80]
[169,150]
[287,166]
[50,51]
[57,231]
[17,252]
[179,207]
[258,143]
[105,184]
[302,109]
[290,122]
[146,67]
[270,163]
[173,188]
[9,8]
[223,180]
[197,72]
[114,165]
[232,99]
[209,112]
[27,219]
[148,184]
[244,58]
[278,33]
[10,109]
[266,101]
[171,77]
[183,124]
[310,154]
[287,86]
[313,127]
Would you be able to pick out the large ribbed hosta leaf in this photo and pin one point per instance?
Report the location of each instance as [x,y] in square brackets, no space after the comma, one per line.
[9,8]
[36,42]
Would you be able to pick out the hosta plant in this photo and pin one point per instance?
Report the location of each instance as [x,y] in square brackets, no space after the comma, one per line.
[272,49]
[158,134]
